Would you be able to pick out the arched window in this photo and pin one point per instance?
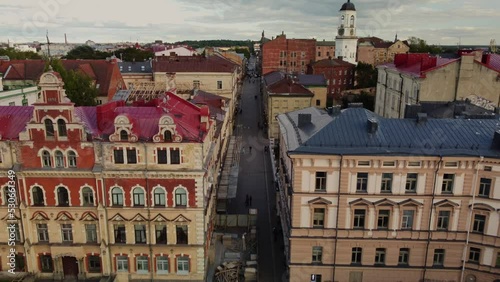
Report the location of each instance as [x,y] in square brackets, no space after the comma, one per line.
[180,197]
[352,21]
[138,194]
[46,160]
[62,197]
[61,127]
[71,159]
[59,157]
[37,195]
[49,128]
[159,197]
[87,196]
[117,196]
[167,136]
[123,135]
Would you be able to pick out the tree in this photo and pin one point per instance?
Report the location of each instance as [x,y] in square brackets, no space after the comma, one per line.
[80,88]
[367,99]
[85,52]
[133,54]
[18,55]
[418,45]
[366,76]
[243,51]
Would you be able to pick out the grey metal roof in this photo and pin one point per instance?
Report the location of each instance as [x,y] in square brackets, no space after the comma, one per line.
[135,67]
[121,95]
[312,79]
[325,43]
[273,77]
[347,134]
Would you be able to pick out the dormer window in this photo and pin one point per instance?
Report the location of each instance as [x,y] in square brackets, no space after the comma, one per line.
[167,135]
[61,128]
[123,135]
[49,128]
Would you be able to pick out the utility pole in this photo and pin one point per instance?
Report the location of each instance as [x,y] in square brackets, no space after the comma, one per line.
[48,47]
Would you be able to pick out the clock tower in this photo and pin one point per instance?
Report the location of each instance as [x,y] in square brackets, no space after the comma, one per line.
[346,42]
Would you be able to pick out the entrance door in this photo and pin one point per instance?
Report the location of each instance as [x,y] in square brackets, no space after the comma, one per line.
[70,266]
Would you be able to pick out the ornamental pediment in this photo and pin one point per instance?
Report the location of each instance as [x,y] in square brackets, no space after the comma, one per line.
[39,215]
[64,216]
[88,216]
[138,217]
[118,217]
[160,218]
[180,219]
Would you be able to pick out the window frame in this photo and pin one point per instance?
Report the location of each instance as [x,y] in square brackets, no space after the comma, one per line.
[403,216]
[184,262]
[88,194]
[72,159]
[181,239]
[474,255]
[140,262]
[35,199]
[46,263]
[404,257]
[162,156]
[140,234]
[91,260]
[320,181]
[357,219]
[159,233]
[46,159]
[362,182]
[49,128]
[448,183]
[42,231]
[356,254]
[122,264]
[386,183]
[164,262]
[59,159]
[67,233]
[438,257]
[175,156]
[117,199]
[443,219]
[63,199]
[119,232]
[159,201]
[485,186]
[61,128]
[181,197]
[480,226]
[411,183]
[138,197]
[384,218]
[91,232]
[317,254]
[318,222]
[131,155]
[380,256]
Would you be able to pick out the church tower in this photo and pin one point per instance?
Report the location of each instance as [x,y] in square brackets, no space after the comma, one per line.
[346,42]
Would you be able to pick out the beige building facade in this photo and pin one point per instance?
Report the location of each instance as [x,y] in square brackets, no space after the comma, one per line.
[353,213]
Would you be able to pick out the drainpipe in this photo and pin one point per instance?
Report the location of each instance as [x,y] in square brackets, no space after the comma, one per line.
[430,216]
[469,220]
[148,194]
[337,219]
[386,87]
[401,95]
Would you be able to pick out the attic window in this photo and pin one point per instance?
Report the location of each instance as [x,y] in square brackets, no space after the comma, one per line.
[123,135]
[129,68]
[487,168]
[451,164]
[167,136]
[363,163]
[414,164]
[388,163]
[143,68]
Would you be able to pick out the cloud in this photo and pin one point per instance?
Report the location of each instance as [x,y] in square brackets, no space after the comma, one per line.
[433,20]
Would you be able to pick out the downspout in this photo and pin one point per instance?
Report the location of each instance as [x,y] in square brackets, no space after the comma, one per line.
[401,95]
[150,246]
[430,216]
[474,187]
[337,219]
[386,87]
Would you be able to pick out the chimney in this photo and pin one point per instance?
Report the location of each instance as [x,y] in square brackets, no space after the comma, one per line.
[304,119]
[421,118]
[355,105]
[333,111]
[496,140]
[372,125]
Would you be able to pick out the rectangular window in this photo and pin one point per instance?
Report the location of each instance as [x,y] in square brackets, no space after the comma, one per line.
[438,257]
[196,84]
[162,265]
[451,164]
[161,234]
[386,186]
[318,102]
[94,263]
[140,234]
[17,233]
[67,233]
[413,164]
[182,265]
[404,256]
[411,183]
[479,223]
[43,232]
[46,263]
[118,154]
[443,220]
[484,187]
[319,217]
[120,234]
[319,54]
[91,233]
[131,156]
[320,181]
[407,219]
[142,264]
[380,256]
[122,264]
[317,253]
[182,234]
[219,84]
[488,168]
[447,187]
[474,255]
[175,156]
[356,255]
[359,219]
[162,156]
[364,163]
[383,219]
[389,164]
[362,182]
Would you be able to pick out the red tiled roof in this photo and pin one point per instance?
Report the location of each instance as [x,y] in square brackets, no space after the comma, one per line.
[214,102]
[145,117]
[13,120]
[193,64]
[417,64]
[494,61]
[22,69]
[289,87]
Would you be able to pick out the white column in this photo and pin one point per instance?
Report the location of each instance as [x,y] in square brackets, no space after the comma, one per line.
[456,215]
[418,222]
[371,218]
[395,218]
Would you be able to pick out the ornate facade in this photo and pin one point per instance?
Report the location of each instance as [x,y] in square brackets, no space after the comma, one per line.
[108,190]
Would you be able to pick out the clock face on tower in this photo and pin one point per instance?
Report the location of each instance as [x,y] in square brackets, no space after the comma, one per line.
[341,31]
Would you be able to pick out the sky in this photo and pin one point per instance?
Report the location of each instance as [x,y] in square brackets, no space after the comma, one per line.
[440,22]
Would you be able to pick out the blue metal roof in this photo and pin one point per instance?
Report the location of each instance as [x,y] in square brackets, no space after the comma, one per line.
[312,79]
[348,134]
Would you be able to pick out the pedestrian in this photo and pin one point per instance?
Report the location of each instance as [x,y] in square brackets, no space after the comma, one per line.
[250,200]
[241,110]
[275,233]
[247,201]
[250,149]
[258,124]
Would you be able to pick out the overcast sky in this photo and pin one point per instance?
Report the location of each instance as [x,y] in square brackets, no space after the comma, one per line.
[443,22]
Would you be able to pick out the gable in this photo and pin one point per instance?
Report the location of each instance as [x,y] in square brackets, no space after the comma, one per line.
[446,204]
[160,218]
[118,217]
[64,216]
[360,202]
[180,219]
[138,217]
[320,201]
[385,202]
[88,216]
[39,215]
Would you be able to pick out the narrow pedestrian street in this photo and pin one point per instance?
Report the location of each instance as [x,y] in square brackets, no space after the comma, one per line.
[256,180]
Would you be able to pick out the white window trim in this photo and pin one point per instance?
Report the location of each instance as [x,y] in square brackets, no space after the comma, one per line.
[93,194]
[187,195]
[32,201]
[132,196]
[56,195]
[153,195]
[111,195]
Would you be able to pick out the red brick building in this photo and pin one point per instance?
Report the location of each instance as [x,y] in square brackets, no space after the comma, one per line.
[288,55]
[107,190]
[339,75]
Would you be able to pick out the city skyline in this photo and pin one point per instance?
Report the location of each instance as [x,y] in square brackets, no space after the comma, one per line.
[440,22]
